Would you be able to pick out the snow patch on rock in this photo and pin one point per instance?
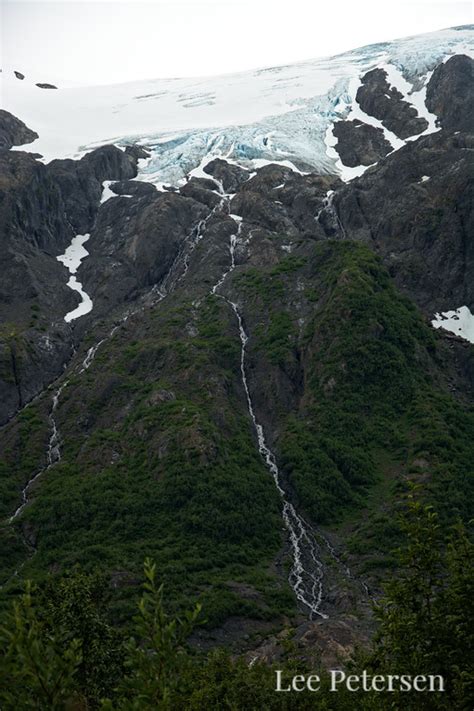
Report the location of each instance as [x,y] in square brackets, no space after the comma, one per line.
[459,321]
[416,98]
[107,193]
[72,259]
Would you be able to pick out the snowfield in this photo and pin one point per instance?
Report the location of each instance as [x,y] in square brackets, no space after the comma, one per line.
[277,114]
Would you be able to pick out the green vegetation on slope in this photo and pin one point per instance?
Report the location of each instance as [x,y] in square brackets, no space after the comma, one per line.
[158,456]
[370,409]
[60,650]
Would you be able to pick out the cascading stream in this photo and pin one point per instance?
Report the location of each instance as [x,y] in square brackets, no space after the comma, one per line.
[162,290]
[53,453]
[306,574]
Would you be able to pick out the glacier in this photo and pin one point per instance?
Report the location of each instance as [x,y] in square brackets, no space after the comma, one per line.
[281,114]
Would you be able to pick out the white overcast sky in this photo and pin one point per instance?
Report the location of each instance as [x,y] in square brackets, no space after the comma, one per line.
[100,42]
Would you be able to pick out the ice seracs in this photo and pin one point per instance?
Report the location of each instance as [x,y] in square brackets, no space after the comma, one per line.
[275,114]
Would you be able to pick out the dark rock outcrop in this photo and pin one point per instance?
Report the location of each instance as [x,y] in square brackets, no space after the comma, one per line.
[135,188]
[137,152]
[231,176]
[279,199]
[42,207]
[258,209]
[29,361]
[134,243]
[268,179]
[80,182]
[359,143]
[385,103]
[450,93]
[19,75]
[201,190]
[14,132]
[304,197]
[34,340]
[45,85]
[415,209]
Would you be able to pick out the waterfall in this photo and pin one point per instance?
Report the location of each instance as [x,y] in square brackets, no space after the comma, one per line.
[306,573]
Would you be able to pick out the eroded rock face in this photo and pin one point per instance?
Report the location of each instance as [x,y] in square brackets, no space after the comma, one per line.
[135,188]
[256,208]
[360,144]
[415,210]
[80,182]
[29,361]
[134,243]
[278,198]
[231,176]
[202,190]
[42,207]
[450,93]
[385,103]
[14,132]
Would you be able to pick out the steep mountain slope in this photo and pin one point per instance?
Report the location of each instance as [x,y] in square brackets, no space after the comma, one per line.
[255,379]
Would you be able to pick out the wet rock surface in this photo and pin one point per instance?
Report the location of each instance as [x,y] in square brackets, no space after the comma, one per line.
[134,242]
[231,176]
[202,191]
[80,182]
